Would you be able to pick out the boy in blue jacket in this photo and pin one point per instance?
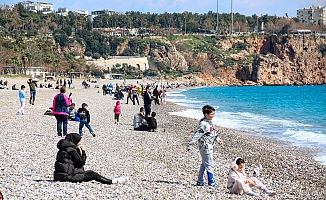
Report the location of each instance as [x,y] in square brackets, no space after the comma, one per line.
[22,99]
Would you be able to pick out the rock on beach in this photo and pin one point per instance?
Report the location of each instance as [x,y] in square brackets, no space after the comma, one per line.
[157,163]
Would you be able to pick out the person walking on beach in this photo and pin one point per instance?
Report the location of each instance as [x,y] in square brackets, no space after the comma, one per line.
[134,93]
[156,95]
[60,110]
[147,101]
[32,90]
[85,119]
[238,183]
[70,161]
[206,135]
[104,88]
[164,97]
[110,87]
[117,112]
[22,99]
[140,123]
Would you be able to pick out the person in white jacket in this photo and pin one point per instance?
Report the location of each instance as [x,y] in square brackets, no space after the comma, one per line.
[206,135]
[238,183]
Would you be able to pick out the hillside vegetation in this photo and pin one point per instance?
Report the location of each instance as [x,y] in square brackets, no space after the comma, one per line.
[61,44]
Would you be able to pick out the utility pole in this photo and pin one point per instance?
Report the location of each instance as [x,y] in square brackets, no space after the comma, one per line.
[231,19]
[216,16]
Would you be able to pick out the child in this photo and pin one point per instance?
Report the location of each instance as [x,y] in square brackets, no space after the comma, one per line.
[72,112]
[85,118]
[152,123]
[164,96]
[206,135]
[238,183]
[117,112]
[22,99]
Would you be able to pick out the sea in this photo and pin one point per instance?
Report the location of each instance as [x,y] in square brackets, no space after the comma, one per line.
[296,114]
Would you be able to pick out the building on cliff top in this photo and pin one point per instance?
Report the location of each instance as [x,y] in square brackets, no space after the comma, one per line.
[313,15]
[35,6]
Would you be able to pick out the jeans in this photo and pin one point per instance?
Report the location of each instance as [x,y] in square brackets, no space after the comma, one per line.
[141,128]
[62,121]
[147,110]
[91,175]
[33,94]
[81,125]
[208,166]
[135,97]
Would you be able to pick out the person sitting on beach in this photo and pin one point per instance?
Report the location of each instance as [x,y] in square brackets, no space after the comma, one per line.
[13,87]
[206,135]
[238,183]
[70,161]
[140,123]
[72,112]
[152,123]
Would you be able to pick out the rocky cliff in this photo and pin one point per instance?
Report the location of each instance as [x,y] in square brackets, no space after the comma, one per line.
[269,60]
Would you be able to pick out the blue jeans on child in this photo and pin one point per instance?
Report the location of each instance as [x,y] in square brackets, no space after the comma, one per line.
[81,125]
[208,166]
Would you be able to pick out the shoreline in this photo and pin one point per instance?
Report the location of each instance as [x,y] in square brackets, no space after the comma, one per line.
[157,163]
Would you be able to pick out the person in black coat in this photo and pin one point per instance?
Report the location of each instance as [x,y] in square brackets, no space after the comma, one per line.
[70,161]
[156,95]
[147,101]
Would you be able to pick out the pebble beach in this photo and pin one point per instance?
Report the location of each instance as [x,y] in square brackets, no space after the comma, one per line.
[157,163]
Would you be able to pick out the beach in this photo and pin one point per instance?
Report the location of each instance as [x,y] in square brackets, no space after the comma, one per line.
[157,163]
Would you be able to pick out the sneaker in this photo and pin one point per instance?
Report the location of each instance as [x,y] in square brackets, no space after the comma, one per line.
[257,170]
[269,192]
[93,134]
[214,185]
[200,184]
[122,180]
[254,194]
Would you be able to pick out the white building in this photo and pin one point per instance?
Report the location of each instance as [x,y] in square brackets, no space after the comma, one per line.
[38,6]
[100,13]
[312,15]
[81,12]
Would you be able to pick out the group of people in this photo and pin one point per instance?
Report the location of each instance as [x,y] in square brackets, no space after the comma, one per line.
[71,156]
[63,109]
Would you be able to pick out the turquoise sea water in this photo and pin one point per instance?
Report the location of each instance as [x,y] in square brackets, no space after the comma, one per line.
[291,113]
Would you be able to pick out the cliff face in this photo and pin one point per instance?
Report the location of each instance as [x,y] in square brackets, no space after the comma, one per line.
[287,60]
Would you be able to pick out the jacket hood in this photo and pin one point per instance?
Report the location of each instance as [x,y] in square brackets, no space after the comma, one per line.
[64,143]
[74,138]
[117,103]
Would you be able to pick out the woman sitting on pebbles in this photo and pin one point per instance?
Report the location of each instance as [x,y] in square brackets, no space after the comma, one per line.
[70,163]
[238,183]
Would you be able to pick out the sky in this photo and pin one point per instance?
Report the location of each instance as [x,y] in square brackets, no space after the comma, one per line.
[245,7]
